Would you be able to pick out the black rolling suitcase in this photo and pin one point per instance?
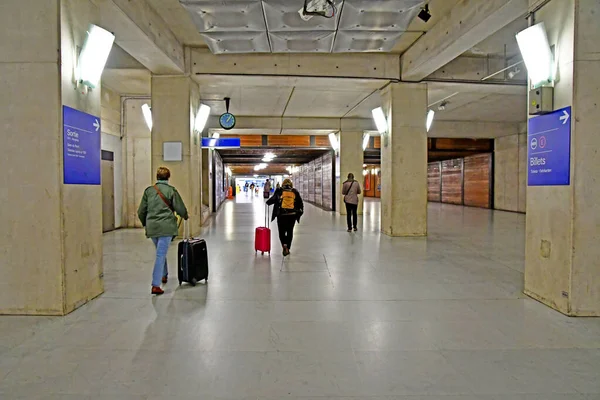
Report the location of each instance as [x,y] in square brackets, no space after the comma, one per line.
[192,256]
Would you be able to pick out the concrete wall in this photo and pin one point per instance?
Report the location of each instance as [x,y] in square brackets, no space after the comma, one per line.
[30,184]
[138,174]
[510,173]
[562,249]
[51,241]
[111,141]
[82,205]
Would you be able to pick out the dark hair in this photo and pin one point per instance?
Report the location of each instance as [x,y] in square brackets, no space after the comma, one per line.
[350,175]
[163,174]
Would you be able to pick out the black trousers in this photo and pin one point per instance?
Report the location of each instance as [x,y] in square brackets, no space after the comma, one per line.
[286,224]
[352,217]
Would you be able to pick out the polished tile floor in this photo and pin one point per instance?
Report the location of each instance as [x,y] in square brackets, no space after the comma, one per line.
[347,316]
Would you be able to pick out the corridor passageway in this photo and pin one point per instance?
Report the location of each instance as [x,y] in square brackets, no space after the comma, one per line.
[347,315]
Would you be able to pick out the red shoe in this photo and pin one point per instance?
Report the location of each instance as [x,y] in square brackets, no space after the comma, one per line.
[157,291]
[165,279]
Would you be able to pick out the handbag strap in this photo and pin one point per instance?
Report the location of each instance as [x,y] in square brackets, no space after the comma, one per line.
[162,196]
[351,184]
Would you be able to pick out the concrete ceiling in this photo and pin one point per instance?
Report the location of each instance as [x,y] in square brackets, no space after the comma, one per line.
[128,81]
[285,97]
[501,41]
[478,102]
[182,25]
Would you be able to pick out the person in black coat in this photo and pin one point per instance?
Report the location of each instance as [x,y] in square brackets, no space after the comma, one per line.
[288,209]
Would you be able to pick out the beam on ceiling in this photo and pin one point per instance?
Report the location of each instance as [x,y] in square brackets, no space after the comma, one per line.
[292,125]
[474,69]
[472,130]
[142,33]
[467,24]
[355,66]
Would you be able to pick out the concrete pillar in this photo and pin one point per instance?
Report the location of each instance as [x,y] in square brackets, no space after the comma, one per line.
[562,251]
[51,236]
[175,102]
[404,161]
[351,161]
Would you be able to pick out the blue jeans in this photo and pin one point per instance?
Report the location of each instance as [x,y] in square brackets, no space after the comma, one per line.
[160,265]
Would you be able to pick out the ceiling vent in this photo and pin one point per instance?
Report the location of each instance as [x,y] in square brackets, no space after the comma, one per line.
[277,26]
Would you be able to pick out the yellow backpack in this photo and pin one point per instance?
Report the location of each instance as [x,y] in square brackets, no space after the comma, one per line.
[288,200]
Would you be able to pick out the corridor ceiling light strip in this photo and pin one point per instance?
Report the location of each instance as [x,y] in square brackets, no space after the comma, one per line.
[380,120]
[201,118]
[94,55]
[334,141]
[536,52]
[429,122]
[366,139]
[147,112]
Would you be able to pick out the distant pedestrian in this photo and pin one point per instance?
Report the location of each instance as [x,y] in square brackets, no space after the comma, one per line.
[351,190]
[267,189]
[288,209]
[156,212]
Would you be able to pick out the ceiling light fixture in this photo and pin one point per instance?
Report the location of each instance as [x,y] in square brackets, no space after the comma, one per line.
[429,122]
[380,120]
[335,144]
[366,139]
[201,118]
[536,52]
[94,55]
[147,112]
[424,14]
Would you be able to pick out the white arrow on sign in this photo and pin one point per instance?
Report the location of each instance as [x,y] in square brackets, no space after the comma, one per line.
[565,117]
[97,125]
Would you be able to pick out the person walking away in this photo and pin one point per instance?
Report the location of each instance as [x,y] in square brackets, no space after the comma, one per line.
[288,208]
[157,214]
[267,189]
[351,190]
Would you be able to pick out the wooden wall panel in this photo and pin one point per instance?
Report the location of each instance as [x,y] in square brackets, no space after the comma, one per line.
[247,140]
[452,181]
[434,181]
[464,144]
[322,141]
[477,180]
[377,142]
[289,140]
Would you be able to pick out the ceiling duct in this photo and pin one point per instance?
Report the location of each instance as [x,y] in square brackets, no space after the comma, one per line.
[276,26]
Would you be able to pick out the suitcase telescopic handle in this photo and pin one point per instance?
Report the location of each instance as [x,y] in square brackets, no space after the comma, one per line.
[186,229]
[267,220]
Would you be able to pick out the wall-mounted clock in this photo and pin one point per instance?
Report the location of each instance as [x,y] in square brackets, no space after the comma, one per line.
[227,121]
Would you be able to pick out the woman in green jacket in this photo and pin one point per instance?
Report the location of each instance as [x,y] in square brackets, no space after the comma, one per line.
[157,214]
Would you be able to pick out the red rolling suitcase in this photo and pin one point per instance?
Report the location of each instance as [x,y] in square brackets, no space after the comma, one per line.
[262,236]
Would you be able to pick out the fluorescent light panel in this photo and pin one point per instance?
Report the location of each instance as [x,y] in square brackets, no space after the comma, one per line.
[380,120]
[94,55]
[333,140]
[535,49]
[366,139]
[201,118]
[147,112]
[429,122]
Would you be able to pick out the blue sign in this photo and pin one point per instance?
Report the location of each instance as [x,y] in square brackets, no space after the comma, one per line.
[549,149]
[224,143]
[81,148]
